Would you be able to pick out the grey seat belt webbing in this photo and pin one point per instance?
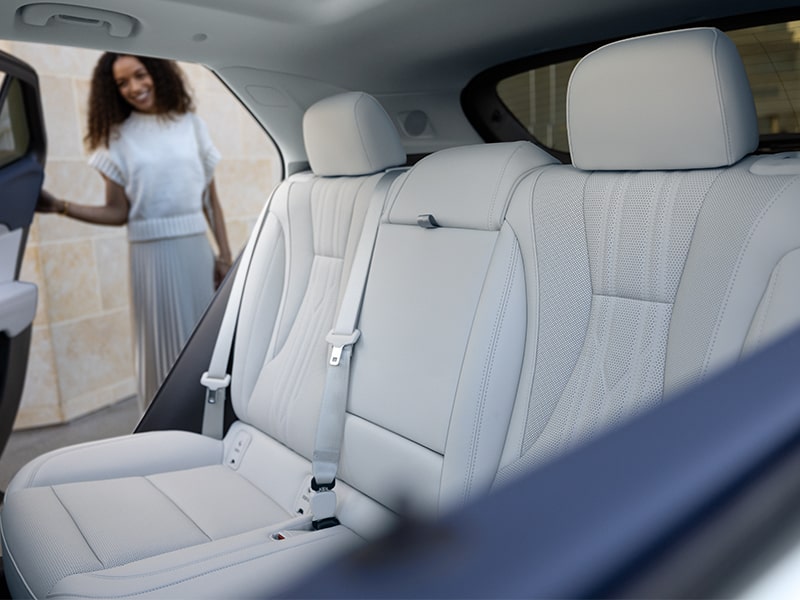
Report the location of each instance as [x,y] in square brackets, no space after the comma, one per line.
[330,429]
[217,379]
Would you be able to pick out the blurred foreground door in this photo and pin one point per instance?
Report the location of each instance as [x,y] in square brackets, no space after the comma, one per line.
[22,157]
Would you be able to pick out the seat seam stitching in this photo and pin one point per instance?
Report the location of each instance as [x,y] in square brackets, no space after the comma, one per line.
[630,299]
[735,274]
[80,531]
[762,324]
[175,504]
[198,575]
[499,320]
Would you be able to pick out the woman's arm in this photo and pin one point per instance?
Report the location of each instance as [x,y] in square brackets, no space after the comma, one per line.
[217,221]
[114,212]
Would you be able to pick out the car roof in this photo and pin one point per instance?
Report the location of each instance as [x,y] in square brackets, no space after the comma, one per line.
[281,56]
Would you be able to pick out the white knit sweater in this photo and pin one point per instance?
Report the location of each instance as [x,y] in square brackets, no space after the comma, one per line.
[164,164]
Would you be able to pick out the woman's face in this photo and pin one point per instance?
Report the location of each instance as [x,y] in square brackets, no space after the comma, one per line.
[134,83]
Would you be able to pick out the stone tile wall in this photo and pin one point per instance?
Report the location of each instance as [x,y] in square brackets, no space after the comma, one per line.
[81,355]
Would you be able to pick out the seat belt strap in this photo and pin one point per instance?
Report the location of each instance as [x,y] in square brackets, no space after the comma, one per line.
[330,429]
[217,379]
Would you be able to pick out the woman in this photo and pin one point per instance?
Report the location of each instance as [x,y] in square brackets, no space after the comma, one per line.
[157,160]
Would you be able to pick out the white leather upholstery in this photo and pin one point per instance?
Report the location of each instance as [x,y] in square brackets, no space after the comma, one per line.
[442,333]
[350,134]
[108,516]
[463,377]
[655,280]
[440,187]
[675,100]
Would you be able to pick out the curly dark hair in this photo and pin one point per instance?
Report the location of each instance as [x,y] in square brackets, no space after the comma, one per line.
[107,108]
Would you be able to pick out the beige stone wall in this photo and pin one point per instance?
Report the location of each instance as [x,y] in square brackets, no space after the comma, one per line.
[81,354]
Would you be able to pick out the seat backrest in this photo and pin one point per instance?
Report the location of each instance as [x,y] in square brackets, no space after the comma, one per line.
[435,372]
[302,259]
[662,254]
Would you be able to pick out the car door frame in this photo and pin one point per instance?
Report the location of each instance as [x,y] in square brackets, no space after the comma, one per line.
[21,179]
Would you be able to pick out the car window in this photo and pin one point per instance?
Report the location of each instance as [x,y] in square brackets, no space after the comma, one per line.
[81,358]
[14,132]
[537,98]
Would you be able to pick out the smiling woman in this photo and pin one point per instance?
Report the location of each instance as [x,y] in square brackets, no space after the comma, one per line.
[134,83]
[81,347]
[157,161]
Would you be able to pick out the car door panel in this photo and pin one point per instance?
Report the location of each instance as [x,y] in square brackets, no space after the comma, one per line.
[22,155]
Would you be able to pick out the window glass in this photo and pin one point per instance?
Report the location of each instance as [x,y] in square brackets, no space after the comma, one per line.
[771,56]
[538,98]
[14,133]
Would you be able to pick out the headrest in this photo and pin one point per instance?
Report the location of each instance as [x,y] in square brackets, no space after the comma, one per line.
[350,134]
[467,187]
[674,100]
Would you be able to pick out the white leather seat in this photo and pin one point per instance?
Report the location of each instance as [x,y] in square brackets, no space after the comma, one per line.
[664,254]
[134,514]
[434,378]
[435,374]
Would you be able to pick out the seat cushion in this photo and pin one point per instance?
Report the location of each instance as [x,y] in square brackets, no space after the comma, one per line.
[166,524]
[91,526]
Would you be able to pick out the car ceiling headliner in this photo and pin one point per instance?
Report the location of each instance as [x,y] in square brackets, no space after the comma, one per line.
[381,46]
[281,56]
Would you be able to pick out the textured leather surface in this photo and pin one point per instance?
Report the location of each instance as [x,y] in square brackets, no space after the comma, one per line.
[747,226]
[249,565]
[278,379]
[649,281]
[776,312]
[126,456]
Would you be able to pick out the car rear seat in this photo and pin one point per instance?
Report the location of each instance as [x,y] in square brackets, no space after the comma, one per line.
[433,437]
[663,254]
[92,507]
[552,302]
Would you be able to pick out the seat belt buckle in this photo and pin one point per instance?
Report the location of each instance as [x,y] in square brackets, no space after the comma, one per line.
[323,506]
[213,385]
[340,341]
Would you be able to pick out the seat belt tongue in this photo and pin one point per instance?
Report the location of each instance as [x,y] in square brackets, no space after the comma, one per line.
[213,386]
[340,341]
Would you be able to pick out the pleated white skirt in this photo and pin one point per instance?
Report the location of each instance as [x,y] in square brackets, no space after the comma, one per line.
[171,284]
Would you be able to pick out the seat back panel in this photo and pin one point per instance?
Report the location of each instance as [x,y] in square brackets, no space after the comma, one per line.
[316,222]
[776,312]
[748,223]
[602,339]
[679,264]
[415,324]
[435,373]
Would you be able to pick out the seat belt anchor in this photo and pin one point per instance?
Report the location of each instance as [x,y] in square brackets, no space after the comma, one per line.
[321,487]
[213,385]
[340,341]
